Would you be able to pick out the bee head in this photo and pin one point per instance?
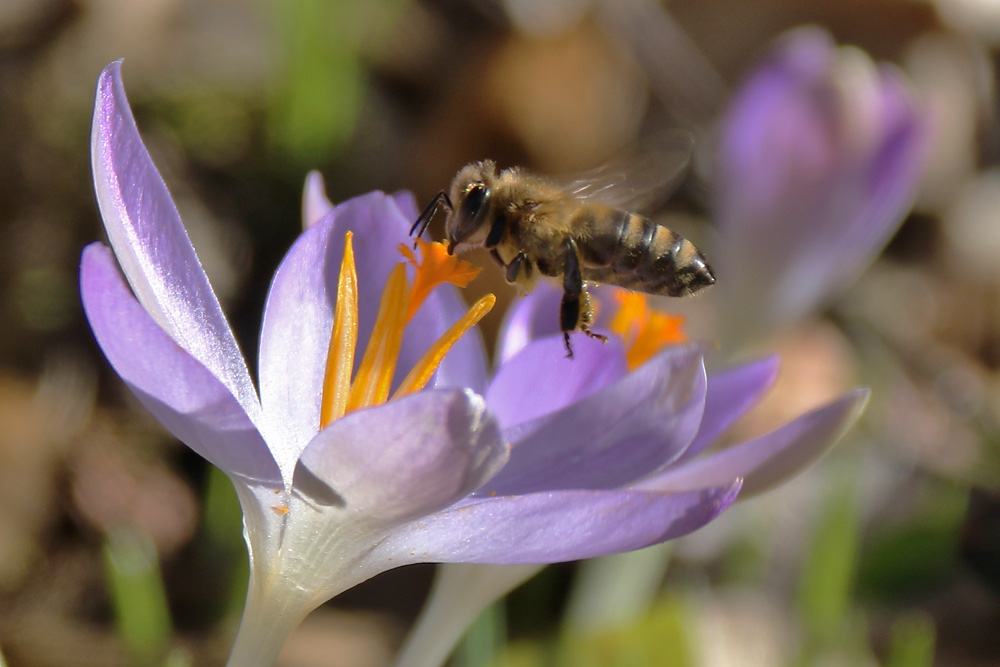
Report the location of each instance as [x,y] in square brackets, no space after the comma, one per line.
[471,195]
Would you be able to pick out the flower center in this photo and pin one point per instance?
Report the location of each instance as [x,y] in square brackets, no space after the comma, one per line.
[645,330]
[400,301]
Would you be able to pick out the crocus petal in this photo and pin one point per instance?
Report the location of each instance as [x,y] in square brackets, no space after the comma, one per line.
[550,527]
[540,379]
[295,340]
[406,458]
[612,437]
[730,395]
[152,246]
[770,459]
[536,316]
[407,205]
[178,390]
[532,317]
[315,204]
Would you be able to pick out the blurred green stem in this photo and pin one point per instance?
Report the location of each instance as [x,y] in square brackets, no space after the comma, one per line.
[614,590]
[137,594]
[825,586]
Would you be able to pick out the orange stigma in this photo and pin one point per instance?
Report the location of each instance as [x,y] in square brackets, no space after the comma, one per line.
[438,267]
[644,330]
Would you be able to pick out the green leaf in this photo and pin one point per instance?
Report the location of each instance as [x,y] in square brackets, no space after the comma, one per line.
[483,640]
[912,641]
[659,638]
[918,555]
[137,595]
[223,525]
[825,585]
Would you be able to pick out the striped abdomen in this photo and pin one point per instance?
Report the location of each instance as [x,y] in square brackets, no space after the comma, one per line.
[631,251]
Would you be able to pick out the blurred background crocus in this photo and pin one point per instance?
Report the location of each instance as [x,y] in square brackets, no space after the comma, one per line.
[817,161]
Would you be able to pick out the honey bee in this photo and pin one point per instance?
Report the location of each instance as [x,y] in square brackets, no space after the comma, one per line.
[578,232]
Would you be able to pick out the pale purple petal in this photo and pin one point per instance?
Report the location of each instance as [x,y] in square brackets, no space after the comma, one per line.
[730,395]
[529,318]
[550,527]
[409,457]
[178,390]
[536,316]
[315,204]
[612,437]
[540,379]
[407,205]
[295,339]
[152,246]
[770,459]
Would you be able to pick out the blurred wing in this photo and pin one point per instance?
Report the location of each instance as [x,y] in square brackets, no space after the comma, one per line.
[639,178]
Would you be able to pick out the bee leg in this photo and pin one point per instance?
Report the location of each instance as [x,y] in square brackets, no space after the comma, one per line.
[575,312]
[497,258]
[514,268]
[496,231]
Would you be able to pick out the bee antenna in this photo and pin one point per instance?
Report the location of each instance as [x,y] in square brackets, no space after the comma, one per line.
[424,220]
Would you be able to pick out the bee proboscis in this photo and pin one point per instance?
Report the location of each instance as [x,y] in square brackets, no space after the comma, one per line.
[578,232]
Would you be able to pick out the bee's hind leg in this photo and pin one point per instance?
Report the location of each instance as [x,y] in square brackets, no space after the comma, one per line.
[575,311]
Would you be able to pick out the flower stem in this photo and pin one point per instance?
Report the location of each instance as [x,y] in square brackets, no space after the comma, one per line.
[268,620]
[461,592]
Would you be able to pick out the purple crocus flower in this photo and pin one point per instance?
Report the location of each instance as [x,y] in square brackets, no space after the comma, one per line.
[337,482]
[639,442]
[818,160]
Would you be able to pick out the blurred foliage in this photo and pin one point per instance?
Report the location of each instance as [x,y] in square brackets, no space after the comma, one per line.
[483,639]
[320,81]
[919,555]
[658,638]
[223,526]
[912,642]
[824,600]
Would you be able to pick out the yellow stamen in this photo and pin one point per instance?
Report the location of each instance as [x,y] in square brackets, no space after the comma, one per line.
[399,302]
[422,371]
[371,385]
[343,341]
[437,267]
[644,330]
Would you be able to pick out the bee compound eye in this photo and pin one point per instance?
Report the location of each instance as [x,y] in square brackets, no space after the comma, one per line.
[472,212]
[473,201]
